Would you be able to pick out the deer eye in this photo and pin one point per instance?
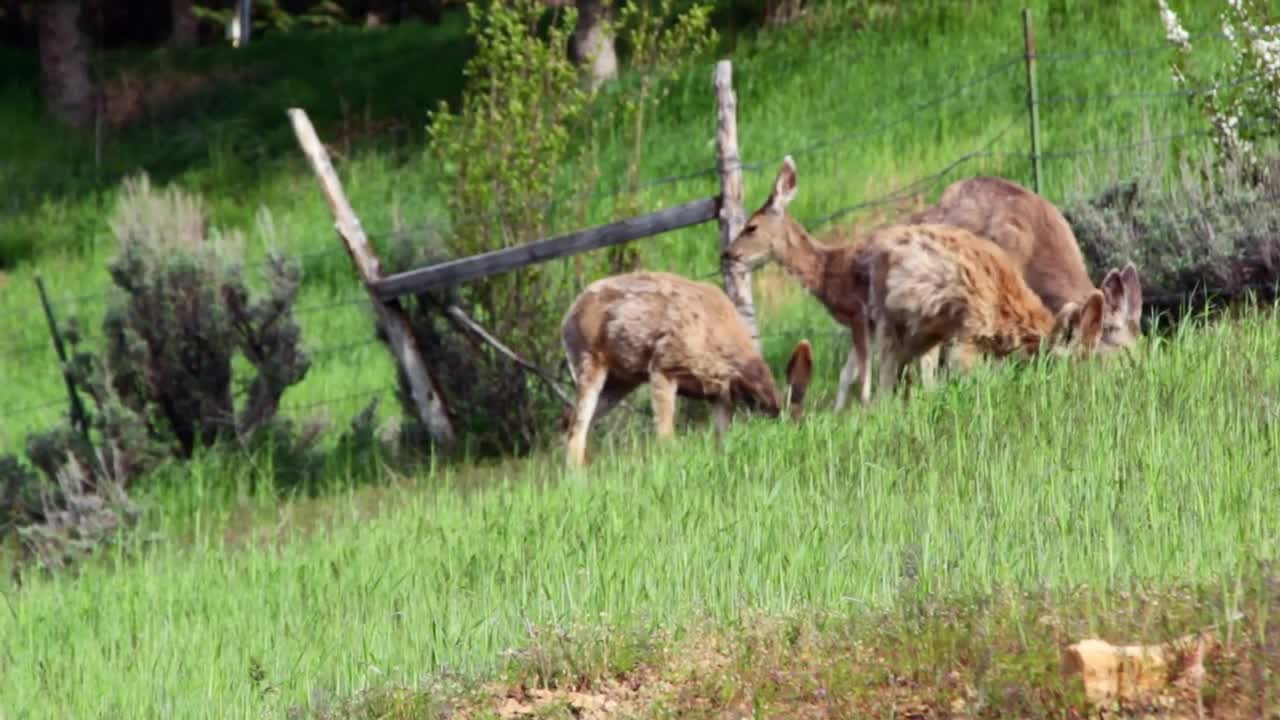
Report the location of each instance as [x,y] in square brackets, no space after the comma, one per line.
[749,230]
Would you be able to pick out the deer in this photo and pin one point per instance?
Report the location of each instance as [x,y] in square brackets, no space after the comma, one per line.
[827,272]
[835,275]
[1038,240]
[932,284]
[684,338]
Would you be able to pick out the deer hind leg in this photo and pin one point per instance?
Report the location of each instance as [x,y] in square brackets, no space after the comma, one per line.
[890,363]
[591,376]
[663,389]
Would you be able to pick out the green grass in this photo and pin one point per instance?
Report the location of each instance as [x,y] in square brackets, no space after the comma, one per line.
[1155,473]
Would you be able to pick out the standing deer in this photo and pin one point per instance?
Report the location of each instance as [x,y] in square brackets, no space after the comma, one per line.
[934,284]
[1039,242]
[828,272]
[682,337]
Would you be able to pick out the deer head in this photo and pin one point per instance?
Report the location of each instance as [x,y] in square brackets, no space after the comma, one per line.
[769,231]
[1122,310]
[1078,329]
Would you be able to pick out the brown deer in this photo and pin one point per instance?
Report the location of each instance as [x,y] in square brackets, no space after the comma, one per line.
[934,284]
[682,337]
[826,271]
[1039,242]
[836,276]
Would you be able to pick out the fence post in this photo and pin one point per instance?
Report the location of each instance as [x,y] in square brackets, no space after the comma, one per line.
[79,418]
[404,344]
[737,279]
[1033,98]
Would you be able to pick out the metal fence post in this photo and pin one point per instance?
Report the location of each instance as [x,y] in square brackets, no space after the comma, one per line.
[1033,100]
[79,418]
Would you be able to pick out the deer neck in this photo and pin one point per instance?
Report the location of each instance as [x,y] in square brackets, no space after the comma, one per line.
[805,259]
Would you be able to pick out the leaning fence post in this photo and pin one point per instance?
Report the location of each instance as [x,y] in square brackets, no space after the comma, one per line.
[1033,99]
[737,279]
[427,399]
[79,418]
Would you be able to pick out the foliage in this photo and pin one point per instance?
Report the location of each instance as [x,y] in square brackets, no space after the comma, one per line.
[489,398]
[660,42]
[1211,230]
[269,15]
[1241,100]
[502,152]
[183,311]
[164,385]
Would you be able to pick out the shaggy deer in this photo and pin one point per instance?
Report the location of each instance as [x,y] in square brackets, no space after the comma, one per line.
[1039,242]
[935,284]
[838,276]
[682,337]
[827,272]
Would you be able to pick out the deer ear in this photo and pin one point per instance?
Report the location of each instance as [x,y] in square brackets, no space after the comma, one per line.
[1091,323]
[1132,293]
[1113,290]
[799,373]
[784,187]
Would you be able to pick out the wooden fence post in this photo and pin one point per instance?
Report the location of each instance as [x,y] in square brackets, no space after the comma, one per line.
[737,279]
[1033,99]
[427,399]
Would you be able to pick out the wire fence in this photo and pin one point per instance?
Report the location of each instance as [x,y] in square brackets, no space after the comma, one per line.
[31,348]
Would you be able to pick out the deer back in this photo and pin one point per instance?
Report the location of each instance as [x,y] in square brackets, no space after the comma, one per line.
[637,323]
[1032,232]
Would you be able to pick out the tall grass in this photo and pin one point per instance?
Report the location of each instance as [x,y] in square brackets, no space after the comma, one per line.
[1042,476]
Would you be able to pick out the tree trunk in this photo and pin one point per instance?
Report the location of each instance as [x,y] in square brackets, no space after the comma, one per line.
[185,30]
[64,62]
[593,42]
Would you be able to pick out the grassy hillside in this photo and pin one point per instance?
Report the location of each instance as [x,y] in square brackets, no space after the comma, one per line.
[1039,478]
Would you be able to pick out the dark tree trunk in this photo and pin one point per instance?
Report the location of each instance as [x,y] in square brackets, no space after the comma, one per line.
[185,30]
[593,42]
[64,62]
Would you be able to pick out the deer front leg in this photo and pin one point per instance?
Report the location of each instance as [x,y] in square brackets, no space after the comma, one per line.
[591,378]
[663,388]
[929,363]
[722,414]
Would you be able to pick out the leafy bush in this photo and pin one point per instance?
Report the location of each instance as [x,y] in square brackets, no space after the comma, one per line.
[164,385]
[183,312]
[494,405]
[502,152]
[1209,232]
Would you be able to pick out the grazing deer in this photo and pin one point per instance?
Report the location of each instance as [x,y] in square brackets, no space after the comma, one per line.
[682,337]
[828,272]
[1039,242]
[934,284]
